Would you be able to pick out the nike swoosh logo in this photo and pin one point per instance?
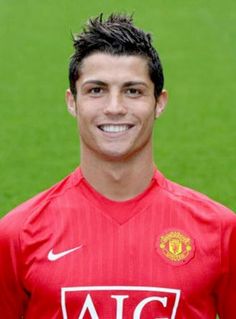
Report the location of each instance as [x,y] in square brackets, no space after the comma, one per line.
[55,256]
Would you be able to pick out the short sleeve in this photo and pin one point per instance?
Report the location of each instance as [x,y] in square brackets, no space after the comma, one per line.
[226,288]
[12,294]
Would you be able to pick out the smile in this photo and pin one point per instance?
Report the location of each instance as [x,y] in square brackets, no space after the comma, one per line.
[115,128]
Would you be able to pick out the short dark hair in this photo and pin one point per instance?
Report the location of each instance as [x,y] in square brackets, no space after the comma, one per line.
[116,36]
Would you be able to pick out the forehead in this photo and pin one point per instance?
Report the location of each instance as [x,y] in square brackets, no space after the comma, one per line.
[117,68]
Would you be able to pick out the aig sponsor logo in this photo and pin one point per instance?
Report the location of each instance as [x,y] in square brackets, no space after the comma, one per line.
[119,302]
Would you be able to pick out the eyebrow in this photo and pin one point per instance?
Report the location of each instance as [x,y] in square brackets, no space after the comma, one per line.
[94,82]
[132,83]
[126,84]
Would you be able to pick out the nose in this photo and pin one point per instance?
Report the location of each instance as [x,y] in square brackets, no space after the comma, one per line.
[115,105]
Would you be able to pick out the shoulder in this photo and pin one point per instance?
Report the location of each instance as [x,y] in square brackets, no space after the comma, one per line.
[13,221]
[195,202]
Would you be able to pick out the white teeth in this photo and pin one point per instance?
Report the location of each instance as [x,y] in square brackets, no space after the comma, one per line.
[114,128]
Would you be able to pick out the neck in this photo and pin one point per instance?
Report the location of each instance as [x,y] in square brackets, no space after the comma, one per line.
[118,179]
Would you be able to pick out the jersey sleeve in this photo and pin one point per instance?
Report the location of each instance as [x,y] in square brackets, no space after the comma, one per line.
[226,288]
[12,294]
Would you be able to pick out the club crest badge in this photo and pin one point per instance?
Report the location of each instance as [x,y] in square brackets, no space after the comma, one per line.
[175,247]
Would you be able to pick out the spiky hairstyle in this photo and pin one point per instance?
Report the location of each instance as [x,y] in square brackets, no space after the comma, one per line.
[116,36]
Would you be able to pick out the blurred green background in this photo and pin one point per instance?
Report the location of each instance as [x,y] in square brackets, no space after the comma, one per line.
[195,139]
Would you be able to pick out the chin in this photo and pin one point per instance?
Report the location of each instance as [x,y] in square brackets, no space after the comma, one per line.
[115,155]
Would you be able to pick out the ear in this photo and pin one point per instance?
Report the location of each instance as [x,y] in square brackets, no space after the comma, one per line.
[71,103]
[161,103]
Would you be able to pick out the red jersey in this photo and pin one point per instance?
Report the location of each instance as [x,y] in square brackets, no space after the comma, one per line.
[71,253]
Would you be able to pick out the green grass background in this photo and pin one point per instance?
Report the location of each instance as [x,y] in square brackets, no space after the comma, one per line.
[195,139]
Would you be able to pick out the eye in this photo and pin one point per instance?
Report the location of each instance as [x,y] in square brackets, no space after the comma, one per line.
[96,90]
[133,92]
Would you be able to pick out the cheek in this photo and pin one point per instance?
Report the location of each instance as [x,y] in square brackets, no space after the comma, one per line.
[147,116]
[88,109]
[85,121]
[147,122]
[84,115]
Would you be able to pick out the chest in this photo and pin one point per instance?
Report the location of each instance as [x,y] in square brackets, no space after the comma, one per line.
[91,265]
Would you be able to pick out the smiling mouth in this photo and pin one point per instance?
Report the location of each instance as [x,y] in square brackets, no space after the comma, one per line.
[114,128]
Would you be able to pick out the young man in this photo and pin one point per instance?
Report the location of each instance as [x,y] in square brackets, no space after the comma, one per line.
[116,239]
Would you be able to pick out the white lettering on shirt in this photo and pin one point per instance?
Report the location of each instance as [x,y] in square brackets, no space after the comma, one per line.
[88,304]
[97,302]
[119,305]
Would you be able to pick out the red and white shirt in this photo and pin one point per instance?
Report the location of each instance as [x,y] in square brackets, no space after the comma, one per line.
[71,253]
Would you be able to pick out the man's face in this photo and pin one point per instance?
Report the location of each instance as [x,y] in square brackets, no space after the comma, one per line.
[115,106]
